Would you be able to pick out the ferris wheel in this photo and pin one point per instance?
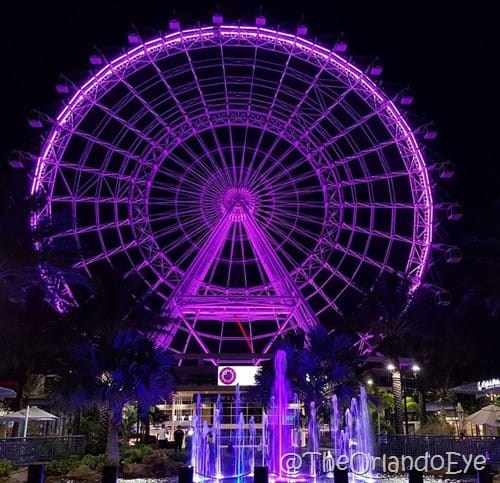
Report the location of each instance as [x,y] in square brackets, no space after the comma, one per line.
[252,180]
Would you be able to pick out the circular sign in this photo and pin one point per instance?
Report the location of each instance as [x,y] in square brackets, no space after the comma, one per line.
[227,375]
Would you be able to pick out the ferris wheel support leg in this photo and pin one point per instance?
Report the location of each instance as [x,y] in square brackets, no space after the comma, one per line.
[278,275]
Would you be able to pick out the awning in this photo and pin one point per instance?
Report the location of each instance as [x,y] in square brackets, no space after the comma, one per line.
[472,388]
[6,393]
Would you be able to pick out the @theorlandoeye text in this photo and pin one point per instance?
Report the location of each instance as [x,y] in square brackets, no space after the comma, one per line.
[451,463]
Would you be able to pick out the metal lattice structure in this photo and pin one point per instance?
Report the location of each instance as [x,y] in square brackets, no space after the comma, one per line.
[253,181]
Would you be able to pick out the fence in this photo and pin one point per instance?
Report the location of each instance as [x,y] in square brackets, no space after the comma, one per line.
[40,450]
[440,445]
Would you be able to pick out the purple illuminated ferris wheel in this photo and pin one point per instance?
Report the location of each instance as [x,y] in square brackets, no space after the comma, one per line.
[253,181]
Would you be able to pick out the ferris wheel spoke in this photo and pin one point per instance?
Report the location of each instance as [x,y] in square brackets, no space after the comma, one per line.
[227,108]
[174,216]
[169,231]
[180,106]
[207,112]
[270,111]
[187,186]
[244,265]
[296,217]
[232,241]
[147,106]
[348,281]
[184,166]
[250,96]
[348,129]
[326,112]
[126,124]
[305,226]
[282,235]
[294,113]
[294,204]
[289,170]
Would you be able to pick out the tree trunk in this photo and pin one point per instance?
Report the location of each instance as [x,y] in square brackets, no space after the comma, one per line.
[397,390]
[76,423]
[147,428]
[102,434]
[112,448]
[421,407]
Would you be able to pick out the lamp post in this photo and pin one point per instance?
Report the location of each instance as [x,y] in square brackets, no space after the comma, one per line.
[415,370]
[406,406]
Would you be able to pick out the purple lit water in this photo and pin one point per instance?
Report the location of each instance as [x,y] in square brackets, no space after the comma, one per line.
[213,460]
[239,448]
[252,439]
[313,441]
[352,435]
[265,440]
[280,441]
[217,437]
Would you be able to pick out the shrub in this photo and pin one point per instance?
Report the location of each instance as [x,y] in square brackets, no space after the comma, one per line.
[179,457]
[437,426]
[56,468]
[6,466]
[134,454]
[94,462]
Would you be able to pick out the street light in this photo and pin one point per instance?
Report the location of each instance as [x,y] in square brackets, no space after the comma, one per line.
[415,369]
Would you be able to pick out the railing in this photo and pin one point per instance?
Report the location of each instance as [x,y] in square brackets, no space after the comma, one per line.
[414,446]
[40,450]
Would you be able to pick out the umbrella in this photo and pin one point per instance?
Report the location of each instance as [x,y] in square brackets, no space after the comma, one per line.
[6,393]
[30,412]
[489,415]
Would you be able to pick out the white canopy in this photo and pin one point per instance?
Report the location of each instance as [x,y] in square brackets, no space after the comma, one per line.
[489,415]
[33,413]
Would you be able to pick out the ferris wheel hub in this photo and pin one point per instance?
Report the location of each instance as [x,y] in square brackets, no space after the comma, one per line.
[239,201]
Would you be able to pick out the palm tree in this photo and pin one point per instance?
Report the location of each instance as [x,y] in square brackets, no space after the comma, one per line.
[28,312]
[109,310]
[127,368]
[387,309]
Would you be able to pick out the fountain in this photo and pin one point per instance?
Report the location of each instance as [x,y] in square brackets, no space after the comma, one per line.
[218,456]
[281,427]
[313,441]
[355,441]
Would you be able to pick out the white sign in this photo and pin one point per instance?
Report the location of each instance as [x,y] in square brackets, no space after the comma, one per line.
[488,384]
[232,375]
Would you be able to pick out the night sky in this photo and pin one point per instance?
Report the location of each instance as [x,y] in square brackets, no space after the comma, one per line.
[447,55]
